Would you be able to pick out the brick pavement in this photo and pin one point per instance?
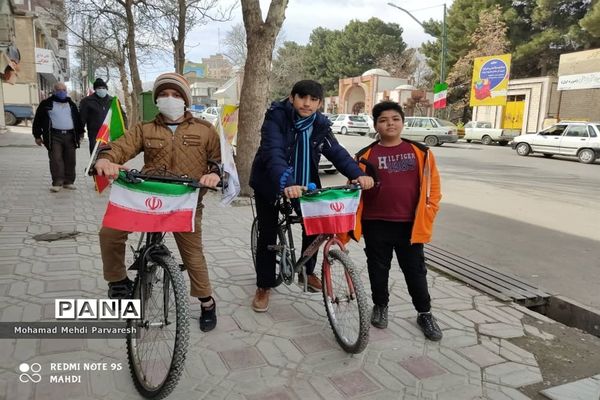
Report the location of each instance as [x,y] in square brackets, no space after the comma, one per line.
[287,353]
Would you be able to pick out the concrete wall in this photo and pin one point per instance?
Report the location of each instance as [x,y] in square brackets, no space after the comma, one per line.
[26,44]
[581,62]
[582,104]
[388,83]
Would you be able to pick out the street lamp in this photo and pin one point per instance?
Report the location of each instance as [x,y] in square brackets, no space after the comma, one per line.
[444,38]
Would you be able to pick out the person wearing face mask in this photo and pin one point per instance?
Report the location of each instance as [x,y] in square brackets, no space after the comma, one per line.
[57,125]
[176,142]
[93,110]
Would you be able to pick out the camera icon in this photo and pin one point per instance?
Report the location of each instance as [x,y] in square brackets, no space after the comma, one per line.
[30,373]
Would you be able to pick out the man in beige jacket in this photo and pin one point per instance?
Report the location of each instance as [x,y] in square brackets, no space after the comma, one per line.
[177,142]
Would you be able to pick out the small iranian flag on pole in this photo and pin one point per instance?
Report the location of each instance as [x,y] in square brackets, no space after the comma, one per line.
[440,92]
[330,211]
[151,207]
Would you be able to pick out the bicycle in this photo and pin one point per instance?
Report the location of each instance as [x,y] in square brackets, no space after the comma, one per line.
[157,351]
[344,297]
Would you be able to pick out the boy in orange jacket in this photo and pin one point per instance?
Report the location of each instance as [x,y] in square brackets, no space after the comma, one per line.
[397,215]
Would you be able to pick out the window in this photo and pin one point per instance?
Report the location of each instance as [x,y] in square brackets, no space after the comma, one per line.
[443,122]
[485,125]
[409,122]
[357,118]
[469,125]
[577,131]
[426,123]
[591,130]
[555,130]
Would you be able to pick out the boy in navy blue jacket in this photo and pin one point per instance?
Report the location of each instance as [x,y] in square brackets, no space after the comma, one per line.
[293,137]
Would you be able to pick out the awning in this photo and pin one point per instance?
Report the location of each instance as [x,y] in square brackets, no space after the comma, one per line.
[228,90]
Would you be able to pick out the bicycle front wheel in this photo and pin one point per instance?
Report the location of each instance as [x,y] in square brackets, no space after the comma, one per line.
[157,354]
[345,302]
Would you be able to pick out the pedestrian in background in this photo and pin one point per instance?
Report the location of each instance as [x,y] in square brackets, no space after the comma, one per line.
[93,110]
[57,125]
[397,215]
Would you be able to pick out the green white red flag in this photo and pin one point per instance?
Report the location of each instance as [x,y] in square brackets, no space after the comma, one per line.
[112,128]
[151,207]
[440,93]
[330,211]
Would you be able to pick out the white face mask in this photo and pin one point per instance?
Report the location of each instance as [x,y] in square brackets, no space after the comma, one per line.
[101,92]
[171,107]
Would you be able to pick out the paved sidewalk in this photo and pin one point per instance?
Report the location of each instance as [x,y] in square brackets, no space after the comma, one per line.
[287,353]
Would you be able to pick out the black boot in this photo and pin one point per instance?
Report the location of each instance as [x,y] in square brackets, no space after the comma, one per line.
[379,318]
[208,317]
[120,290]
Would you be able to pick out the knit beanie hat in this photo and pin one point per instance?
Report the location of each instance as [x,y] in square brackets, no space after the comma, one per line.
[172,80]
[98,83]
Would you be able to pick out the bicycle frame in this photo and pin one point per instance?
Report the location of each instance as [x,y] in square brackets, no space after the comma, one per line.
[286,223]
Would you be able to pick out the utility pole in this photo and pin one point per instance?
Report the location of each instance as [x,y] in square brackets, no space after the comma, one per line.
[444,48]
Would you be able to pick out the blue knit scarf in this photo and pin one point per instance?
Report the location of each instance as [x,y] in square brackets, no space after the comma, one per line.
[304,126]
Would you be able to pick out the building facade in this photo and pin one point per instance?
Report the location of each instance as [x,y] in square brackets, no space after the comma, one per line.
[42,41]
[359,94]
[218,67]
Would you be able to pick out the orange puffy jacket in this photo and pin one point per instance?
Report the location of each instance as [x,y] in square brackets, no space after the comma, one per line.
[429,196]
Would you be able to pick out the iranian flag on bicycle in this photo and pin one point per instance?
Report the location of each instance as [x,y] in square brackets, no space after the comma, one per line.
[330,211]
[151,207]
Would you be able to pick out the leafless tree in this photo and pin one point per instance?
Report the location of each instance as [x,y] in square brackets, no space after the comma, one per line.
[175,19]
[235,44]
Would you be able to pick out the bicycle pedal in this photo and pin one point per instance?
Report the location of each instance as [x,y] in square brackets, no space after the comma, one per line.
[182,267]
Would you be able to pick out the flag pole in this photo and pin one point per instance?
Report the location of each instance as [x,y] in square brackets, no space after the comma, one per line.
[92,158]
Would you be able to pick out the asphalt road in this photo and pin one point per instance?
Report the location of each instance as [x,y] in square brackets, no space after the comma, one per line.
[534,217]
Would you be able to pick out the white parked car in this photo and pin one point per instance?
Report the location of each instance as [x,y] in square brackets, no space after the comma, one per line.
[432,131]
[483,132]
[369,119]
[579,139]
[210,114]
[348,123]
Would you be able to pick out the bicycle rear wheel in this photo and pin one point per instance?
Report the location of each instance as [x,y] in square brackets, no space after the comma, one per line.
[345,302]
[157,355]
[254,245]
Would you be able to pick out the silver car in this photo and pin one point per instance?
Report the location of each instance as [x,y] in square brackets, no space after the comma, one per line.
[348,123]
[579,139]
[432,131]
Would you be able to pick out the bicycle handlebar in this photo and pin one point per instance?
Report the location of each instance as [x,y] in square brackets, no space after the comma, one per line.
[135,176]
[350,186]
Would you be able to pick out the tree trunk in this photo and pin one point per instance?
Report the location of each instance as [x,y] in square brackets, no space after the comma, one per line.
[260,39]
[179,42]
[134,117]
[125,86]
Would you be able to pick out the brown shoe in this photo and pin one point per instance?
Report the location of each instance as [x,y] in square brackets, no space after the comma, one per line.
[313,283]
[261,300]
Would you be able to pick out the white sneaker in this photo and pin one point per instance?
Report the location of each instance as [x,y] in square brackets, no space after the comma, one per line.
[69,186]
[55,189]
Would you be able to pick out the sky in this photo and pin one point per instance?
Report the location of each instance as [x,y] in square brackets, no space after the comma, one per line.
[302,16]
